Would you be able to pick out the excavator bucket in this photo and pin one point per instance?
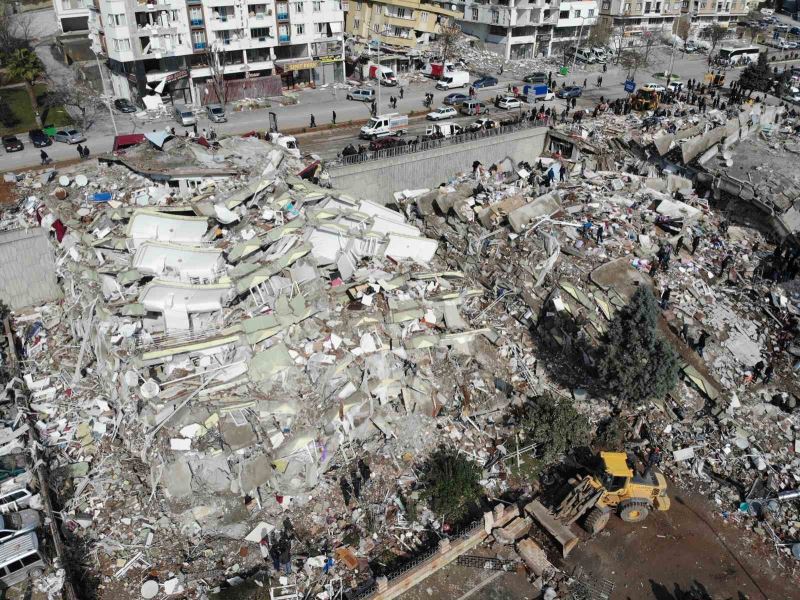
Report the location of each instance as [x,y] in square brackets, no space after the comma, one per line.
[562,533]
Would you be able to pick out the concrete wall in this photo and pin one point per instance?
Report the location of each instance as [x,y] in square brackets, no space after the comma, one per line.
[379,179]
[27,268]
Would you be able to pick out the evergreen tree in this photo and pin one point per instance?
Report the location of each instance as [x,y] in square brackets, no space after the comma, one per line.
[637,363]
[757,77]
[7,116]
[556,428]
[450,483]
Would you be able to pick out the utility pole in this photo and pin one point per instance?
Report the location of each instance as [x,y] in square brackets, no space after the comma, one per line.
[671,64]
[105,91]
[578,44]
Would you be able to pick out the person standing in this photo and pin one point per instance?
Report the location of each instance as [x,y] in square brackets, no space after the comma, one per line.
[79,148]
[313,122]
[44,157]
[600,232]
[665,298]
[768,373]
[695,243]
[401,92]
[194,128]
[701,343]
[333,119]
[86,152]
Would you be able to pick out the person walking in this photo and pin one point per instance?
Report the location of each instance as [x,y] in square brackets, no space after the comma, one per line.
[86,152]
[725,264]
[695,243]
[44,157]
[194,128]
[600,233]
[665,298]
[333,119]
[701,343]
[313,122]
[585,81]
[79,148]
[599,81]
[401,92]
[768,373]
[604,67]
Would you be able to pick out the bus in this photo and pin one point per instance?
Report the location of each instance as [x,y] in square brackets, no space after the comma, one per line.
[736,55]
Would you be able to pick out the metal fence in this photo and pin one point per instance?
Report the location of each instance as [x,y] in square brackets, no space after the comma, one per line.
[432,144]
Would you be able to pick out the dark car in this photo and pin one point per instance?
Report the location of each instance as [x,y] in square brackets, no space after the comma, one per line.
[485,82]
[39,138]
[387,142]
[12,144]
[536,77]
[124,105]
[795,31]
[455,99]
[571,91]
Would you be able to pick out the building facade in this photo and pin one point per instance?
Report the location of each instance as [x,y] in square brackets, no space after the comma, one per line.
[575,21]
[71,15]
[632,18]
[405,23]
[519,28]
[175,47]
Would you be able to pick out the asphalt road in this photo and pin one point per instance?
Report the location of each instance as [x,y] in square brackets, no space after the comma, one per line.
[321,103]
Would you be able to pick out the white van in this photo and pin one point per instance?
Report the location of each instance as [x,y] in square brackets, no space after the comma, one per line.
[20,559]
[383,125]
[582,55]
[456,79]
[366,95]
[184,115]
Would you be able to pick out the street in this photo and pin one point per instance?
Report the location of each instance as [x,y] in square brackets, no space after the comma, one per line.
[321,103]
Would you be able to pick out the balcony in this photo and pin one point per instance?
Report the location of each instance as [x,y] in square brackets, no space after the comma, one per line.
[283,16]
[199,46]
[283,39]
[196,22]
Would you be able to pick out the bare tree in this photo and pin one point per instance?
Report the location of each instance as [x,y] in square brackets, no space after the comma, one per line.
[599,34]
[81,101]
[448,37]
[649,41]
[632,60]
[716,33]
[217,60]
[682,29]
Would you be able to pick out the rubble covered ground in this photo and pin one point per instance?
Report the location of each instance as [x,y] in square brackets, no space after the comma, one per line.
[247,369]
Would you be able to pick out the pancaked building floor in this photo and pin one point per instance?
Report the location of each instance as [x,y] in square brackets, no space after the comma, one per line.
[234,341]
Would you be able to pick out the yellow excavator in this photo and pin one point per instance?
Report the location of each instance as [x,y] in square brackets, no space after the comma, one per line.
[645,98]
[616,488]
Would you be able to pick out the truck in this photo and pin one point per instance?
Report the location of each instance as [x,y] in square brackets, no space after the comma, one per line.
[438,70]
[539,91]
[453,79]
[444,130]
[384,75]
[383,125]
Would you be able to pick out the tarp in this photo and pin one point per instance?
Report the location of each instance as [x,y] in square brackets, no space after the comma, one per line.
[157,138]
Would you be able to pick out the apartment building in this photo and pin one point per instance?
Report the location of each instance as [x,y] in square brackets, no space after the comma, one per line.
[405,23]
[723,12]
[171,46]
[631,18]
[71,15]
[575,21]
[519,28]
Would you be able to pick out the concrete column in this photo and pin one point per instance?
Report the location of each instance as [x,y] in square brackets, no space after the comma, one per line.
[444,545]
[508,44]
[383,584]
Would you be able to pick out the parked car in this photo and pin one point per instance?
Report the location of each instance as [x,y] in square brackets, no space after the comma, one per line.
[536,77]
[795,30]
[570,91]
[39,138]
[485,82]
[12,144]
[508,103]
[124,105]
[216,113]
[474,107]
[480,124]
[455,99]
[361,95]
[656,87]
[443,112]
[675,86]
[69,136]
[691,48]
[387,142]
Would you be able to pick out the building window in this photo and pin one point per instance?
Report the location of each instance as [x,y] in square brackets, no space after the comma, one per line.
[658,6]
[321,27]
[375,28]
[590,12]
[122,45]
[606,5]
[627,7]
[259,32]
[358,6]
[564,14]
[316,6]
[356,23]
[647,6]
[298,7]
[401,13]
[423,16]
[117,20]
[474,14]
[577,14]
[299,29]
[495,16]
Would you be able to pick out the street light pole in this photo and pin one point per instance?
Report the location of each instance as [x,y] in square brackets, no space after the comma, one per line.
[105,91]
[578,45]
[671,64]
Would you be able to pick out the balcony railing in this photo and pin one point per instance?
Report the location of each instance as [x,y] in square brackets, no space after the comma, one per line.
[283,16]
[199,45]
[283,38]
[196,22]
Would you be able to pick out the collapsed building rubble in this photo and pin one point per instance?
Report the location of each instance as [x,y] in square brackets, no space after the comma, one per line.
[246,366]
